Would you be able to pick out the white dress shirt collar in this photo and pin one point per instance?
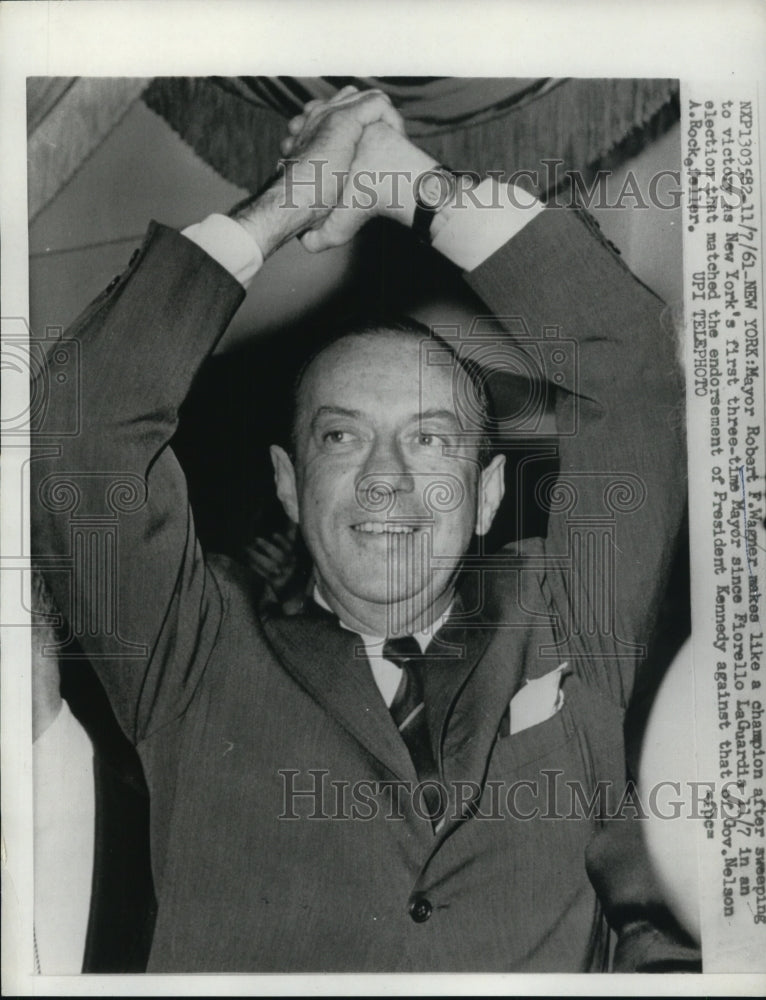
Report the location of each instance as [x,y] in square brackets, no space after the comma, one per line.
[387,675]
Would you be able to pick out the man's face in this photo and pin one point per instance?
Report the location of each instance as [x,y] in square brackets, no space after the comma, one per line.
[386,492]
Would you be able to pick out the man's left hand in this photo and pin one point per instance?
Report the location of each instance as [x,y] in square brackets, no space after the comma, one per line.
[379,181]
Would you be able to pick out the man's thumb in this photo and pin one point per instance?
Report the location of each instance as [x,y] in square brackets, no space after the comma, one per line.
[336,230]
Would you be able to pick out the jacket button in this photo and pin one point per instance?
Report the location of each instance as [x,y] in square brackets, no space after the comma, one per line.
[113,283]
[420,910]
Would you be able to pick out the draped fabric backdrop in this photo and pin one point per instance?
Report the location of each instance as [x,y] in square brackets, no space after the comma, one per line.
[235,123]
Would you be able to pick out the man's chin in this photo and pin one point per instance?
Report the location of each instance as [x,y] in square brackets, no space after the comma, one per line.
[383,591]
[385,594]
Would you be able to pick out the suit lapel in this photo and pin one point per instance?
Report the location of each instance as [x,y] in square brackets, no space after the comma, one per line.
[331,664]
[466,697]
[452,658]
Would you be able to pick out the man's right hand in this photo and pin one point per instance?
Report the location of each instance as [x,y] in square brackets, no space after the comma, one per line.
[320,150]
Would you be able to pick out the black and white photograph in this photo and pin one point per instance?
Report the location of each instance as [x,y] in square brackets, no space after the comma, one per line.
[383,568]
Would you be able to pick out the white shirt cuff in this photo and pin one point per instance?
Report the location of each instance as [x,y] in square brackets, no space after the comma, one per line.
[228,243]
[482,221]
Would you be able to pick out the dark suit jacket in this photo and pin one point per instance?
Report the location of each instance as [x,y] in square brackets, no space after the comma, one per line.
[230,712]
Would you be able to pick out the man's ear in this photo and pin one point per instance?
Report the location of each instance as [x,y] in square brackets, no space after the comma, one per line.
[491,490]
[284,479]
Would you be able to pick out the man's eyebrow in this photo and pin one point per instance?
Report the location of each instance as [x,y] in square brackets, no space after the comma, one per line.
[342,411]
[435,414]
[334,411]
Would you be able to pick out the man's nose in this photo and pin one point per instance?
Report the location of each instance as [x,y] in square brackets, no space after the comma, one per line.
[385,475]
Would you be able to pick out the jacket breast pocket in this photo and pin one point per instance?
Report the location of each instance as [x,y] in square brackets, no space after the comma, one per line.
[512,753]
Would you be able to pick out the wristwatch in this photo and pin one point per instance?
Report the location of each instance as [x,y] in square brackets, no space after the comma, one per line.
[432,189]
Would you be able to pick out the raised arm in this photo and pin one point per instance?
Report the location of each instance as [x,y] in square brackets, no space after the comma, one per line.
[111,521]
[617,504]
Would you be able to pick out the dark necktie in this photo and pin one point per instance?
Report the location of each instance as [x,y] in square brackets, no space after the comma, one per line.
[408,712]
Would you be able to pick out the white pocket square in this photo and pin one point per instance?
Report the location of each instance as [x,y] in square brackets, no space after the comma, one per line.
[537,700]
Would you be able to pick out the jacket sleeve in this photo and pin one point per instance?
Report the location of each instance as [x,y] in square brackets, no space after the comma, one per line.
[617,504]
[648,938]
[111,522]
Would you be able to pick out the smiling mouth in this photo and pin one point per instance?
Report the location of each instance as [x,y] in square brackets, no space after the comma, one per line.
[380,528]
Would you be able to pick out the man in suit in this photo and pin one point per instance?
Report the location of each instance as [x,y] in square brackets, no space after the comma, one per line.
[294,821]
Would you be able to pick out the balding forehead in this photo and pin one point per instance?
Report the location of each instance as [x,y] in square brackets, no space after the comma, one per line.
[383,348]
[382,342]
[359,363]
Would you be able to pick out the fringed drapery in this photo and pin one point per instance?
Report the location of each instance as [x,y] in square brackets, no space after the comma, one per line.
[235,124]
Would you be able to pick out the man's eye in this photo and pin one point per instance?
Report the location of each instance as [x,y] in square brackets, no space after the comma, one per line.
[336,437]
[430,441]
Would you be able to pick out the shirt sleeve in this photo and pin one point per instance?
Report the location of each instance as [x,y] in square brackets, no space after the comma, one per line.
[229,244]
[481,221]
